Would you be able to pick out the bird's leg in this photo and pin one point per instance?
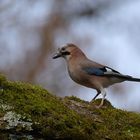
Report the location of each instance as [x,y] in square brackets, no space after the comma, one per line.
[103,92]
[98,92]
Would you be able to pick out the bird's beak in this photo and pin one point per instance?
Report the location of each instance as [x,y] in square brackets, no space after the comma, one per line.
[57,55]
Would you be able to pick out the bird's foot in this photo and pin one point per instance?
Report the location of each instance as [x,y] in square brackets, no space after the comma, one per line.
[99,106]
[99,103]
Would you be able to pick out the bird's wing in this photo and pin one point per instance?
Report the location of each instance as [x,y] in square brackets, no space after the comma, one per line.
[99,71]
[103,71]
[93,71]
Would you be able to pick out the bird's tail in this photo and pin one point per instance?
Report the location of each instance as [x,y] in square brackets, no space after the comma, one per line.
[133,79]
[130,78]
[125,77]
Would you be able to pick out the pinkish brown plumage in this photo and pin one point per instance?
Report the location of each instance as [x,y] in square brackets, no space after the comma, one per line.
[89,73]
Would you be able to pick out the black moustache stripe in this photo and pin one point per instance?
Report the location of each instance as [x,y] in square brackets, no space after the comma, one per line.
[65,53]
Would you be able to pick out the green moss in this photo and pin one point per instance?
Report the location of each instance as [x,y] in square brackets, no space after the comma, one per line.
[70,117]
[50,116]
[74,98]
[118,124]
[97,102]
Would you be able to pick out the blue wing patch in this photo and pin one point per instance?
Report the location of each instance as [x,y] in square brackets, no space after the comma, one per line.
[99,71]
[94,71]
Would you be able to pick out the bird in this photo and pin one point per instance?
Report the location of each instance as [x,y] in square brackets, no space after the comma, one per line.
[89,73]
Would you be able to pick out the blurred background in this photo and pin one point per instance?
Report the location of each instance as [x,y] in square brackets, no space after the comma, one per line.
[107,31]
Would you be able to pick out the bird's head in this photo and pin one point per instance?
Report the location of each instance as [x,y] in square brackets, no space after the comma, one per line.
[67,51]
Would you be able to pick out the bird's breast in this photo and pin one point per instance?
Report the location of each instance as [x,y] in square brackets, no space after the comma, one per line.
[79,76]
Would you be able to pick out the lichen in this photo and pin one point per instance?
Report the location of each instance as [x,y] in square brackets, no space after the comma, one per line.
[17,121]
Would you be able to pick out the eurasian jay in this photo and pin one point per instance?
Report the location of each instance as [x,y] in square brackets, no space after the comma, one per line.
[89,73]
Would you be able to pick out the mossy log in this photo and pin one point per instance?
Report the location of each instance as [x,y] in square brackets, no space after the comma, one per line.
[31,112]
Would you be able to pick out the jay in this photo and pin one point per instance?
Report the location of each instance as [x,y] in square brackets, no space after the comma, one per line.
[89,73]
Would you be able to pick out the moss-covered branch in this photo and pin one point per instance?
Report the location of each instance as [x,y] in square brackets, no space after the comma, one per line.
[31,110]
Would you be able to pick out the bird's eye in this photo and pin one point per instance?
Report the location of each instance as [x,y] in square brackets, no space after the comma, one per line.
[63,49]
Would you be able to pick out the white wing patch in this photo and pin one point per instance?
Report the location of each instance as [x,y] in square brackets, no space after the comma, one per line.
[111,71]
[108,70]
